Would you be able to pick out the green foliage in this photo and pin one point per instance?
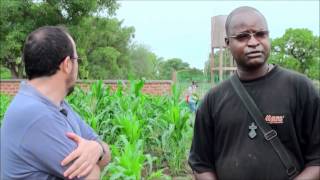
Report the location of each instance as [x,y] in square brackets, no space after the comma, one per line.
[177,133]
[192,74]
[19,18]
[298,49]
[103,44]
[4,73]
[207,69]
[129,160]
[148,134]
[5,100]
[91,105]
[169,66]
[13,31]
[144,63]
[103,64]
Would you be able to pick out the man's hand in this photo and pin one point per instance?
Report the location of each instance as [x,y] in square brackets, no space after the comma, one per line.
[205,176]
[83,159]
[106,158]
[94,174]
[310,173]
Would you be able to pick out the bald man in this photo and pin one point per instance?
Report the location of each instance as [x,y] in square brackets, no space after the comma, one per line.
[227,144]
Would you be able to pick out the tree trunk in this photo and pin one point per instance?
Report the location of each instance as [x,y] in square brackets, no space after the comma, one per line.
[14,73]
[303,67]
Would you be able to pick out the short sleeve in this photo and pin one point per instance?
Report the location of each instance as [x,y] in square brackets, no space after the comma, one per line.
[201,157]
[86,131]
[45,145]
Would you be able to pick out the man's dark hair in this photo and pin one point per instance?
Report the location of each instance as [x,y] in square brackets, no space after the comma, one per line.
[238,10]
[44,50]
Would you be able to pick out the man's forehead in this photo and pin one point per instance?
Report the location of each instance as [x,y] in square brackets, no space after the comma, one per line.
[247,19]
[72,42]
[71,39]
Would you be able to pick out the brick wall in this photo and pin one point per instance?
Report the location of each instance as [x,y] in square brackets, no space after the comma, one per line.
[9,87]
[155,87]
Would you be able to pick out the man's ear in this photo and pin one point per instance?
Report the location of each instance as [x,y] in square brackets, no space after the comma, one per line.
[66,65]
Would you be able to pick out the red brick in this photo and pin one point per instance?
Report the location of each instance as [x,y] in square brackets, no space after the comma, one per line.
[150,87]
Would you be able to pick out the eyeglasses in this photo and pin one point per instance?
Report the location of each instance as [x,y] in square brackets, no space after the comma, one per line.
[246,36]
[75,58]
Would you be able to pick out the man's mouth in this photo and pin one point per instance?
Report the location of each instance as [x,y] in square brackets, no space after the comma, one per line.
[253,54]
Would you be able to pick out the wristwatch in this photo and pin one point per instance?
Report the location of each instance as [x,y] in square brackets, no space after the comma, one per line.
[103,151]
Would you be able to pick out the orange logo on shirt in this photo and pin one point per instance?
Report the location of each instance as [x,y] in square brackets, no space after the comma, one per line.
[274,119]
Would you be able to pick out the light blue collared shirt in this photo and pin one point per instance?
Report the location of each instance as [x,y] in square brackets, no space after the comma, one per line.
[33,136]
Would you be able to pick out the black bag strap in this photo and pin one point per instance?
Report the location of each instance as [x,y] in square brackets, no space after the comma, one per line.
[269,134]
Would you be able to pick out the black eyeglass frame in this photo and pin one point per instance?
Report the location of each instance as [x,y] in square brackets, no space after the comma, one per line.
[75,58]
[71,58]
[246,36]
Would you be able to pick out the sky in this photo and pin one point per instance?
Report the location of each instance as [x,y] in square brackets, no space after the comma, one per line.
[181,29]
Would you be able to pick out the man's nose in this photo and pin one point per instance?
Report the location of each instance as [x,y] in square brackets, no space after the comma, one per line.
[253,41]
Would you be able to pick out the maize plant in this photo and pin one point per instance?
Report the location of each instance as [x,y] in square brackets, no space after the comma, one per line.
[4,103]
[149,136]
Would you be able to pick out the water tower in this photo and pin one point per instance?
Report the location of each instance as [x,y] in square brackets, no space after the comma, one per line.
[224,65]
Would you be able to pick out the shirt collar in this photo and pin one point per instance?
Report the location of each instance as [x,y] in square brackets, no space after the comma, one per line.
[29,90]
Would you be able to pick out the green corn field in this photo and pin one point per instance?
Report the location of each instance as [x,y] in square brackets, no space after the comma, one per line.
[149,135]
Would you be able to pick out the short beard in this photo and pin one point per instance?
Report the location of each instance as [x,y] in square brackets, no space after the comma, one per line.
[70,90]
[71,81]
[254,67]
[251,67]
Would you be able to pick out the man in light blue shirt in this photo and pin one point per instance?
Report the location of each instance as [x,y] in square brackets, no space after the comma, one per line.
[41,136]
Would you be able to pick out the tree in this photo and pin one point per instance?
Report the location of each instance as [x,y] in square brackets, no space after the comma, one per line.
[167,67]
[103,63]
[143,62]
[297,49]
[191,74]
[103,44]
[19,18]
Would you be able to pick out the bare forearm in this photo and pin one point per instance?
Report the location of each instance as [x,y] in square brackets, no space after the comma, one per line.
[94,174]
[106,158]
[310,173]
[206,176]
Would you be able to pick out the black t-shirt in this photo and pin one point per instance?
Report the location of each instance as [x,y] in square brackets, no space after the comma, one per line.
[290,104]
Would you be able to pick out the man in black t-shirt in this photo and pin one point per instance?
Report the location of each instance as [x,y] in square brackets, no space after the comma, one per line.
[222,147]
